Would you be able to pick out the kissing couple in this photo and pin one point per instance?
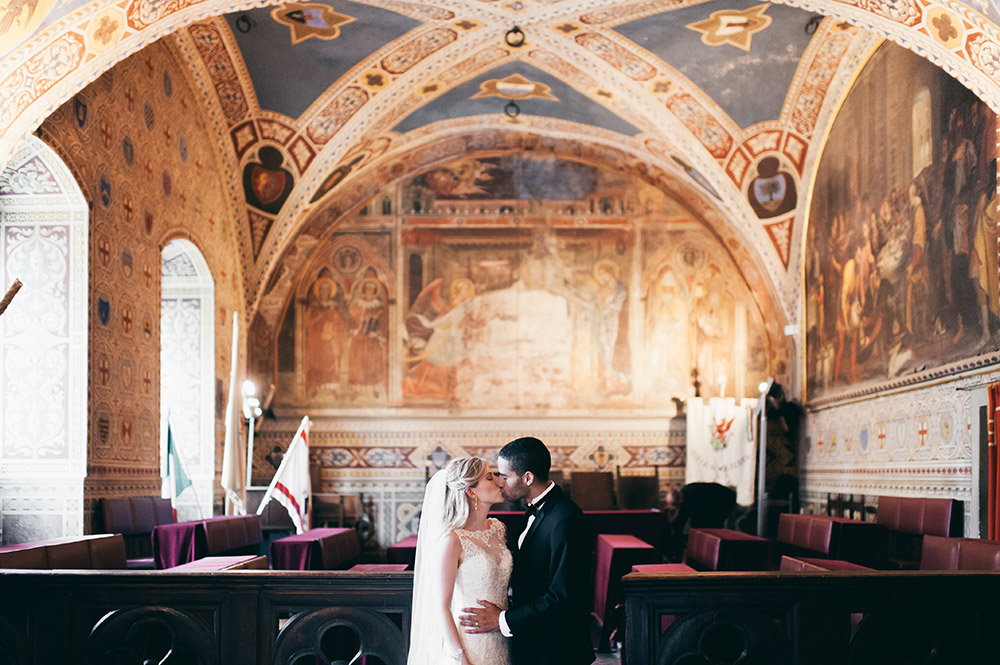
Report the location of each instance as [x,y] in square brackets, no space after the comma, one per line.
[464,568]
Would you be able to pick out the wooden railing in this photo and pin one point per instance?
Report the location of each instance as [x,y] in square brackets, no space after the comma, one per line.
[234,618]
[278,618]
[833,618]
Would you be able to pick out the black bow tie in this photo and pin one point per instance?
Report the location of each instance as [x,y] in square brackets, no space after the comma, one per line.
[533,509]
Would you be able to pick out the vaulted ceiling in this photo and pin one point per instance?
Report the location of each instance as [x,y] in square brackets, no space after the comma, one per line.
[338,99]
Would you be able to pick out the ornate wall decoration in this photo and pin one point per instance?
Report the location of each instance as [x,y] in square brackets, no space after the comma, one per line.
[171,180]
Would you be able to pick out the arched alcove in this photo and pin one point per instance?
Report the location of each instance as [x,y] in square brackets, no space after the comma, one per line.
[43,347]
[187,388]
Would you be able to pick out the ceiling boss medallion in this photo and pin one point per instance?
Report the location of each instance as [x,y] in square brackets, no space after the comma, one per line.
[514,86]
[732,26]
[310,19]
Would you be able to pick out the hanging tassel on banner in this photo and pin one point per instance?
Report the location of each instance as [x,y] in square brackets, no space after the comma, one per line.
[14,288]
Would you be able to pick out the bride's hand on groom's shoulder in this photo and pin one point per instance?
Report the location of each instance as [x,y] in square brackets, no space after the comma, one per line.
[482,619]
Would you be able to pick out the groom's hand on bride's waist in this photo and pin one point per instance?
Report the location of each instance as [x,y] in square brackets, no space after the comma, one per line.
[482,619]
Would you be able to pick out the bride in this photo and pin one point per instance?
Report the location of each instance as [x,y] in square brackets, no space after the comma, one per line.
[462,558]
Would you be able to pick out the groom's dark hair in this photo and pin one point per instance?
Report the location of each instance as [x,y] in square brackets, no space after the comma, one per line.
[528,454]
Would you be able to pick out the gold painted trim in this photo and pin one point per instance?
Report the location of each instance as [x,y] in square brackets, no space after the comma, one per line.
[950,373]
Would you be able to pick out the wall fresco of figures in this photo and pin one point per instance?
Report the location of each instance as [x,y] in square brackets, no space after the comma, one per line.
[901,272]
[523,284]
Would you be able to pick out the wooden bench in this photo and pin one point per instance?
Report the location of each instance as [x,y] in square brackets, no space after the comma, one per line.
[726,549]
[909,519]
[134,518]
[96,552]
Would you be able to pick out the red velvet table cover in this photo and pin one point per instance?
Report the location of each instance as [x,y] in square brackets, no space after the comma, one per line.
[174,544]
[316,549]
[616,554]
[405,551]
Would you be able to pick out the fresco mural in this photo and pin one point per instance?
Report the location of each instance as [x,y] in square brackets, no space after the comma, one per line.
[901,269]
[532,319]
[342,323]
[702,323]
[529,284]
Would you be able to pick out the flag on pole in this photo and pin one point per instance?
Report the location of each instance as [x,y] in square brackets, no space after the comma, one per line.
[175,470]
[232,459]
[721,447]
[290,485]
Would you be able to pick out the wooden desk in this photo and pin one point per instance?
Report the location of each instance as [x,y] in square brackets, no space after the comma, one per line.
[616,554]
[174,544]
[405,551]
[316,549]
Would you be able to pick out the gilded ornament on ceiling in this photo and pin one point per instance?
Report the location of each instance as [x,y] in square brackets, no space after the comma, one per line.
[735,27]
[310,19]
[514,86]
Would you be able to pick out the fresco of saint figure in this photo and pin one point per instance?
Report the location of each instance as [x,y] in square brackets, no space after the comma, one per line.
[435,341]
[368,351]
[324,328]
[609,302]
[667,338]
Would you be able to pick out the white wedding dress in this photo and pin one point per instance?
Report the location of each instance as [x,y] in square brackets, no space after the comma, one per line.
[483,573]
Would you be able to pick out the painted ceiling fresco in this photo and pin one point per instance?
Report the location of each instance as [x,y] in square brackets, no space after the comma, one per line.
[320,105]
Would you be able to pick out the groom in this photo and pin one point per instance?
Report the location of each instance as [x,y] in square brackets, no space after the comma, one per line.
[549,616]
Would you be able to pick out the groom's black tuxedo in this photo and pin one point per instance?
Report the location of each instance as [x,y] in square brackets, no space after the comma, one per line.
[550,605]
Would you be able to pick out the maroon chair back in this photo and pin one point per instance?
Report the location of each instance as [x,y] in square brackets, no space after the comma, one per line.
[979,555]
[163,511]
[939,553]
[594,490]
[142,514]
[117,515]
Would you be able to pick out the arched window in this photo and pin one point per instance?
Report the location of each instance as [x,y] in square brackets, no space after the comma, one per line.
[43,347]
[187,370]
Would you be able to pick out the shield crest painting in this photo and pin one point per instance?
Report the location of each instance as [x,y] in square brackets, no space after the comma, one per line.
[104,310]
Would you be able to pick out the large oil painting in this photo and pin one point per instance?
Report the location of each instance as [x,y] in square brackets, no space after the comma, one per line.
[901,266]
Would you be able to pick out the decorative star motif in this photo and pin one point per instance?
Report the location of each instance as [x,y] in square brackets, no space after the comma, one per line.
[732,26]
[310,19]
[514,86]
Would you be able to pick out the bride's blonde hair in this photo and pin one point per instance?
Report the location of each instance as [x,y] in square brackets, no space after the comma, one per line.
[460,474]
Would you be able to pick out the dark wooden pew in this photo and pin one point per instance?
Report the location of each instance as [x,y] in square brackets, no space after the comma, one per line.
[222,619]
[804,618]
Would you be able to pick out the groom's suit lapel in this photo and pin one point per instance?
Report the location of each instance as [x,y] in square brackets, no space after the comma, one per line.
[553,497]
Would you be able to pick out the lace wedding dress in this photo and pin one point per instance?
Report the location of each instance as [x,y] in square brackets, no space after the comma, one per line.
[483,573]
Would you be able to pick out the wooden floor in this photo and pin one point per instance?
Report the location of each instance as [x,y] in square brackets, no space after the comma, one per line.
[607,659]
